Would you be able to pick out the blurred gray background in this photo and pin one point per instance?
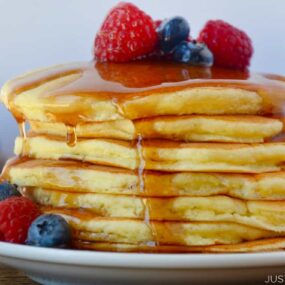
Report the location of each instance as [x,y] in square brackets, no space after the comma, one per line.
[36,33]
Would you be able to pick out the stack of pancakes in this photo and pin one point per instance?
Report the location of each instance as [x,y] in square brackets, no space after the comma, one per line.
[153,156]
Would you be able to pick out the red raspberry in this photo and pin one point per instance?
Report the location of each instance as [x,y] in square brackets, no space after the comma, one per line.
[16,216]
[126,34]
[157,23]
[231,47]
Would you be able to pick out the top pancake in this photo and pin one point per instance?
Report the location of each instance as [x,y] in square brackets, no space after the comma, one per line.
[88,92]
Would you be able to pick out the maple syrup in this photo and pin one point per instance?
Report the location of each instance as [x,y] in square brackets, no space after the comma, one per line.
[71,136]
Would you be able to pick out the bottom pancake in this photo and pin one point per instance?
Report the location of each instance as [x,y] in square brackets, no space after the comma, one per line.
[98,229]
[270,244]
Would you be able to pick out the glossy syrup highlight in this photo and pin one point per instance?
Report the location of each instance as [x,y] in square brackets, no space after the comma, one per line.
[121,83]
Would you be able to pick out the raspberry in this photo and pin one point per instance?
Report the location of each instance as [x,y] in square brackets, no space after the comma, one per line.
[126,34]
[231,47]
[16,216]
[157,23]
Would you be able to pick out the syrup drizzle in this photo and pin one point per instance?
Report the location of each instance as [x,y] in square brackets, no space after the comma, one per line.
[141,163]
[22,129]
[23,134]
[71,136]
[147,210]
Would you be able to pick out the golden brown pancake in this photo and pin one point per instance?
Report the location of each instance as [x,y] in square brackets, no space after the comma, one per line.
[159,155]
[78,177]
[268,215]
[93,228]
[246,129]
[88,92]
[267,244]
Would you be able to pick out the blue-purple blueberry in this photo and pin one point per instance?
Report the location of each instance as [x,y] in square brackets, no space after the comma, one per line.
[49,230]
[171,32]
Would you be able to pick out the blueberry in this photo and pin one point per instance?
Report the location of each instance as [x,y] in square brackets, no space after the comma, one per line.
[171,32]
[7,190]
[201,55]
[193,53]
[182,52]
[49,230]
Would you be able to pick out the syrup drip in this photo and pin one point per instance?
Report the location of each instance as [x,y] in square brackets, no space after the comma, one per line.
[141,164]
[71,136]
[22,129]
[23,134]
[147,205]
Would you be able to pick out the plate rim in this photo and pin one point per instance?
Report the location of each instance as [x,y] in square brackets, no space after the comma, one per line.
[141,260]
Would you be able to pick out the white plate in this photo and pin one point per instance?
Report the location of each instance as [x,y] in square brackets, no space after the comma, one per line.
[57,266]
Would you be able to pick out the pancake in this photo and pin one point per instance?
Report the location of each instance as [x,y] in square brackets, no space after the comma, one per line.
[83,177]
[246,129]
[269,244]
[153,156]
[159,155]
[88,92]
[268,215]
[93,228]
